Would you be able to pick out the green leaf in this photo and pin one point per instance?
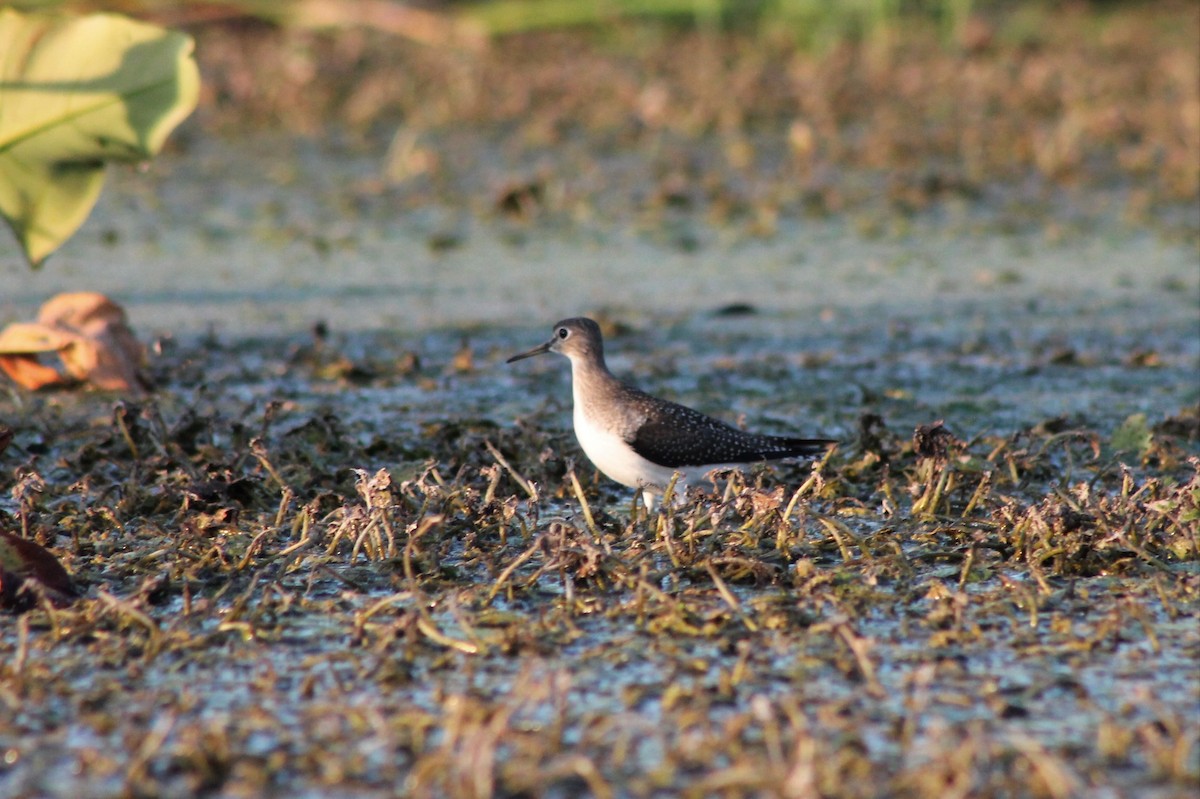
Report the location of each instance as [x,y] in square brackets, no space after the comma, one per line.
[1133,435]
[74,94]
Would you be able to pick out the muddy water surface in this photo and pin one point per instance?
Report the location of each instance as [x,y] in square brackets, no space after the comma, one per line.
[511,649]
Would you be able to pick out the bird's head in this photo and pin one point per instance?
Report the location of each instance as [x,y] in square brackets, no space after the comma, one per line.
[578,337]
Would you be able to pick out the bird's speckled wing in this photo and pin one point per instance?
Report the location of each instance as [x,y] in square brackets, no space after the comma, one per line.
[676,436]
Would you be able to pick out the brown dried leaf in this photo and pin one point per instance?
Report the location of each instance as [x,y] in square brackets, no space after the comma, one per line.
[934,441]
[92,337]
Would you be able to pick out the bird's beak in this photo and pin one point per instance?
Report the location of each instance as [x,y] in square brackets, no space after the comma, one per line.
[538,350]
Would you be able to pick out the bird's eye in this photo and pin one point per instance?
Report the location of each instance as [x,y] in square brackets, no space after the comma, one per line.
[563,332]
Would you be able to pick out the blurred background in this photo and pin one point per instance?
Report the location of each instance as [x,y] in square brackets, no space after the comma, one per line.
[379,164]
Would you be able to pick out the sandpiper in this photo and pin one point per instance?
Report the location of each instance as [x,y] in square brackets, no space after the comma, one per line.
[642,441]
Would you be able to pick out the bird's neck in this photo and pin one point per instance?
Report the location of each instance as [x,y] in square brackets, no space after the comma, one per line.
[592,385]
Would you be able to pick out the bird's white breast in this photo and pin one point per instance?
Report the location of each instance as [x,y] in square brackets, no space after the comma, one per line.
[613,456]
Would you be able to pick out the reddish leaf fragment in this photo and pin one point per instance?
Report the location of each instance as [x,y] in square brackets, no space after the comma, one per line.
[28,372]
[27,569]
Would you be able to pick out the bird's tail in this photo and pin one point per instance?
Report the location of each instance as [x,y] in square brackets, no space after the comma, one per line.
[807,446]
